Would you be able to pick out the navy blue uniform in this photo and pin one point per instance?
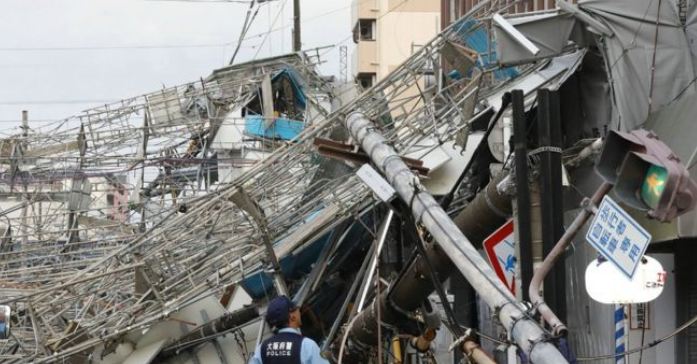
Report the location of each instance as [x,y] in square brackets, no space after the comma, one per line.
[288,347]
[282,348]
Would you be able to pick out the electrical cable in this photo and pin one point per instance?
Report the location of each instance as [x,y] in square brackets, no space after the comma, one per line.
[495,284]
[172,247]
[245,27]
[421,247]
[169,46]
[280,11]
[204,1]
[675,332]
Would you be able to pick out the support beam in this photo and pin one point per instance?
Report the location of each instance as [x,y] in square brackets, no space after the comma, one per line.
[523,329]
[515,34]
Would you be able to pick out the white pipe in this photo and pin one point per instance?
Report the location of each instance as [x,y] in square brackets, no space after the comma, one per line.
[382,235]
[516,34]
[527,333]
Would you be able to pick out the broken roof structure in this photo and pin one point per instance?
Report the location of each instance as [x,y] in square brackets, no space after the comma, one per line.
[229,190]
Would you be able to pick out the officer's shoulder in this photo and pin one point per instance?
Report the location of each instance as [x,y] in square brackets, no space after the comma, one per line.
[309,341]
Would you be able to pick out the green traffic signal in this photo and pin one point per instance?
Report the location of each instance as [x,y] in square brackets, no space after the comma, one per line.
[653,186]
[646,174]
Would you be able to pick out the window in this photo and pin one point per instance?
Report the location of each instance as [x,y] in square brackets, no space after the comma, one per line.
[364,30]
[365,80]
[367,29]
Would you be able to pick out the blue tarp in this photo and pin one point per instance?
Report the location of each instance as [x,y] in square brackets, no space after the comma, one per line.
[475,36]
[281,128]
[300,97]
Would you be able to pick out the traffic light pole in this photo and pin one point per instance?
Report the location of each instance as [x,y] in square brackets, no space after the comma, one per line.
[527,333]
[549,137]
[588,206]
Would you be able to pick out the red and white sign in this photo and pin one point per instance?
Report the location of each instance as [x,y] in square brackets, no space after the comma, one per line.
[500,250]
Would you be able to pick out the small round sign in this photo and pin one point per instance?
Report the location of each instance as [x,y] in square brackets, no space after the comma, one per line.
[607,284]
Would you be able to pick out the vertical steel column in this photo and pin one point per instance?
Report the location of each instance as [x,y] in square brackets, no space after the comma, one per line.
[549,130]
[527,333]
[520,142]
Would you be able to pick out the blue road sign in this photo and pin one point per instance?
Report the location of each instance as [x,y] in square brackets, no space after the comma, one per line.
[618,237]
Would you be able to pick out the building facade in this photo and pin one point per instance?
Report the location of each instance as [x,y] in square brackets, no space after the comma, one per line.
[454,9]
[386,32]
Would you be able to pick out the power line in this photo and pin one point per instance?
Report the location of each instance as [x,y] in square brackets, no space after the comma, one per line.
[51,102]
[245,28]
[283,5]
[130,47]
[165,46]
[205,1]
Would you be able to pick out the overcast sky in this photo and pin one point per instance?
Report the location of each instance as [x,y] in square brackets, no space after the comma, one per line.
[58,57]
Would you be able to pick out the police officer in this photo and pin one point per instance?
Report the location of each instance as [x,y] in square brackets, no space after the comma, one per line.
[287,345]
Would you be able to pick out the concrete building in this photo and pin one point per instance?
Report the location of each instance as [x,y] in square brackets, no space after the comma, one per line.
[455,9]
[386,32]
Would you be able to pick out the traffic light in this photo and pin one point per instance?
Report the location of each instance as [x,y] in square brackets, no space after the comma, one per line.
[646,174]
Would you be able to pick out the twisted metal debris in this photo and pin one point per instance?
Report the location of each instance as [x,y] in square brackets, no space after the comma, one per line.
[80,276]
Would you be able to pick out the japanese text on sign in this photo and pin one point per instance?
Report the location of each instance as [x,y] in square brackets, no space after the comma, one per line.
[618,237]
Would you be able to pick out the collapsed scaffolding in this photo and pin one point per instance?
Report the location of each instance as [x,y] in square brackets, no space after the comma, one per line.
[80,286]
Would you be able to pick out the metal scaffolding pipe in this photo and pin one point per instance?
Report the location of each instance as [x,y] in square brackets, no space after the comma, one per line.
[523,329]
[210,329]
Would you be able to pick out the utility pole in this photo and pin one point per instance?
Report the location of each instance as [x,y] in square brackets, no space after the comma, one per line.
[523,221]
[296,26]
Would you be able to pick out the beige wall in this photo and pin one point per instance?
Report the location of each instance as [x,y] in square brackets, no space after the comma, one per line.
[364,9]
[366,57]
[418,6]
[399,33]
[402,26]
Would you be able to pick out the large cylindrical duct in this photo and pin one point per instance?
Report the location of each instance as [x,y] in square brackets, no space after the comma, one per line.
[487,211]
[523,329]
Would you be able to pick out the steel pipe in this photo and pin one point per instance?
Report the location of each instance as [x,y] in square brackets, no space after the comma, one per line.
[475,353]
[558,327]
[523,329]
[423,342]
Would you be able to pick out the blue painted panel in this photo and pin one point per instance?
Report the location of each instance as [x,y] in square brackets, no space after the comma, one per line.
[475,36]
[293,266]
[281,128]
[298,265]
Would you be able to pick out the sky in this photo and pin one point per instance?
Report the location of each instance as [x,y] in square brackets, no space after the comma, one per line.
[58,57]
